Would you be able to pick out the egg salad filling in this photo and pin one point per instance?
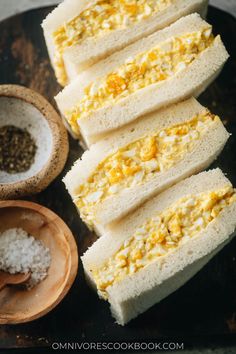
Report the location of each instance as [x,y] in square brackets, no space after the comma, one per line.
[98,20]
[163,233]
[140,161]
[147,68]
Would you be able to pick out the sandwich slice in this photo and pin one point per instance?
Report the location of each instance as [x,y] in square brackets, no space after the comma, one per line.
[168,66]
[142,159]
[79,33]
[162,245]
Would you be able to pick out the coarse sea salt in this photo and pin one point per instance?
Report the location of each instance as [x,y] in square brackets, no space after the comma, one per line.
[22,253]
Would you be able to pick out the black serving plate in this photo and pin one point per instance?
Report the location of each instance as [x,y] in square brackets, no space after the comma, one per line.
[201,313]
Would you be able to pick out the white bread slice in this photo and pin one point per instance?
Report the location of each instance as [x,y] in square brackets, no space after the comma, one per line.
[117,206]
[136,293]
[81,56]
[189,82]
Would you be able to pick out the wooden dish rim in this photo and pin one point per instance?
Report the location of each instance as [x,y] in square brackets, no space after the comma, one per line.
[53,217]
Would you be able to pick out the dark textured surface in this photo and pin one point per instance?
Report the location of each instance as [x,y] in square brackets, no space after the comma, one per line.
[203,312]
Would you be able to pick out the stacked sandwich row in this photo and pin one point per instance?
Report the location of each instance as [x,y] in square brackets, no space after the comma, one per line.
[132,74]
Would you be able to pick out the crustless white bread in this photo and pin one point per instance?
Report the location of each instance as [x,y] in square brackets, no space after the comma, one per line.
[142,159]
[80,33]
[170,65]
[132,274]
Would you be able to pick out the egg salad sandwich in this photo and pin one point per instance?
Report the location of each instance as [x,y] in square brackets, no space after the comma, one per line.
[119,173]
[79,33]
[170,65]
[159,247]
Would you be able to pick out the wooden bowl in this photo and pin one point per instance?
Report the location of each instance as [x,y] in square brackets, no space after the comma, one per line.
[27,109]
[17,305]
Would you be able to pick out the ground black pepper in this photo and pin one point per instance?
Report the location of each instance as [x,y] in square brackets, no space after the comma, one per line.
[17,149]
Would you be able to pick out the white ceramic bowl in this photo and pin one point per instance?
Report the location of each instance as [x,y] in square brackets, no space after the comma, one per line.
[27,109]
